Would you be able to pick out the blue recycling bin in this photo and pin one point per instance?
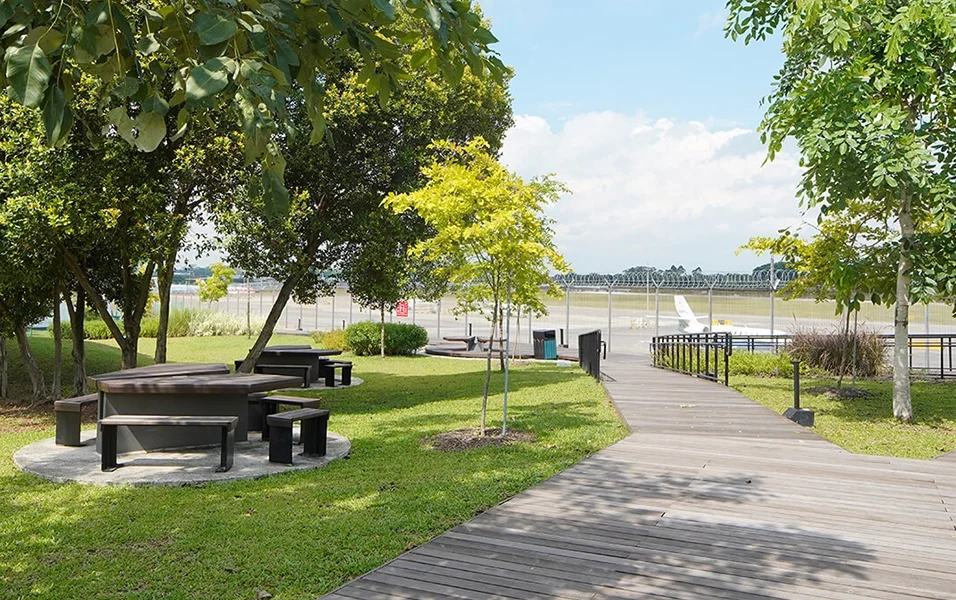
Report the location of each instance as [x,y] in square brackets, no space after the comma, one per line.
[550,349]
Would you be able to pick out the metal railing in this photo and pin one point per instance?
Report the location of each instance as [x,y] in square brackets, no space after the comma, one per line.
[704,355]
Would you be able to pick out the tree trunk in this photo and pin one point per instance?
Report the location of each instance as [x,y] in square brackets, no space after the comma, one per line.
[57,385]
[501,336]
[846,344]
[164,281]
[285,292]
[4,379]
[77,322]
[99,303]
[382,330]
[36,375]
[131,348]
[484,396]
[902,403]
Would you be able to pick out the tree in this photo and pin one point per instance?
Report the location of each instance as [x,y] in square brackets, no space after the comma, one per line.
[336,189]
[865,90]
[216,286]
[245,59]
[379,272]
[490,231]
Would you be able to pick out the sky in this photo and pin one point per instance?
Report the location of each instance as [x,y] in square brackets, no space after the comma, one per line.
[649,115]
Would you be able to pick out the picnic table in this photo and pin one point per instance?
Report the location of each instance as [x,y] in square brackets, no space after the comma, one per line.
[298,356]
[184,395]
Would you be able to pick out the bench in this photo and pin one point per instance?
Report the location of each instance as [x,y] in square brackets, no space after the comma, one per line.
[483,341]
[303,371]
[109,424]
[330,368]
[314,428]
[471,342]
[270,406]
[68,418]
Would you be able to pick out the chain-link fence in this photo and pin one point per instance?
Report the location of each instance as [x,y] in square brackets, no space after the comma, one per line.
[629,310]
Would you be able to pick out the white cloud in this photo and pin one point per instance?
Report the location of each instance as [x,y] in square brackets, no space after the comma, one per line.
[656,192]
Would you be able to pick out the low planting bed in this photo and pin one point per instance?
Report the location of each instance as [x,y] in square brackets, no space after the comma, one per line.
[295,535]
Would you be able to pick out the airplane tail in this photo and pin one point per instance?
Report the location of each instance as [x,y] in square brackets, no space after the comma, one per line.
[687,317]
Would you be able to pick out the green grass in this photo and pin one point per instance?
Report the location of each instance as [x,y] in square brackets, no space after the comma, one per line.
[866,425]
[300,534]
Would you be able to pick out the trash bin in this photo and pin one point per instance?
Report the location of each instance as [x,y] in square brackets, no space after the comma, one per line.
[541,338]
[550,349]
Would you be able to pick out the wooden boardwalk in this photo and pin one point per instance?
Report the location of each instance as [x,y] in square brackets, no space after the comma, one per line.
[712,496]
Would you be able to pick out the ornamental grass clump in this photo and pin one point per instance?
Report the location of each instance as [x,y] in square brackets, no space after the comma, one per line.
[833,351]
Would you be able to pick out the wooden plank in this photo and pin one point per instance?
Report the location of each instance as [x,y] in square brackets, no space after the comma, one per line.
[711,496]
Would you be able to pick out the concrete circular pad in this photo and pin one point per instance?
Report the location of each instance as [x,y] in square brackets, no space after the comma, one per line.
[193,466]
[320,386]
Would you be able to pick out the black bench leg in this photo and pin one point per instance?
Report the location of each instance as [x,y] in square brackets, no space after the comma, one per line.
[108,449]
[314,432]
[347,375]
[280,445]
[67,428]
[228,449]
[329,377]
[268,408]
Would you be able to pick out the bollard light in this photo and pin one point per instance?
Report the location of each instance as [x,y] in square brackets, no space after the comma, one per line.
[800,416]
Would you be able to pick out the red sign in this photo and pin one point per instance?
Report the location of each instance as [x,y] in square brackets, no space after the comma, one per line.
[401,309]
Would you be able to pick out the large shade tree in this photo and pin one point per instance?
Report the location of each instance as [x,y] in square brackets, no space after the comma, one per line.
[336,187]
[866,92]
[243,59]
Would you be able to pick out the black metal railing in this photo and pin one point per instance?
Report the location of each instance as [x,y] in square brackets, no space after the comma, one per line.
[589,352]
[930,354]
[704,355]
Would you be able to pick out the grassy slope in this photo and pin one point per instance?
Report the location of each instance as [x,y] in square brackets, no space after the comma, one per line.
[301,534]
[866,425]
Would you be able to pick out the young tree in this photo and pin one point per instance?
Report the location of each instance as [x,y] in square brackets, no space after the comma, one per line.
[216,286]
[489,229]
[865,90]
[241,58]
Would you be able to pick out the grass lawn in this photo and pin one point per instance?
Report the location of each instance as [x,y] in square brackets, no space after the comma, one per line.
[300,534]
[866,425]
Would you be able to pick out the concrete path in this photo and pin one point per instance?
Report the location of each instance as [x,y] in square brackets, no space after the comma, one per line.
[712,496]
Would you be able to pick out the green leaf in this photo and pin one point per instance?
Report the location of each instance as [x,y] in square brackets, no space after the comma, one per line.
[274,192]
[386,7]
[150,131]
[213,29]
[57,120]
[206,80]
[433,15]
[420,57]
[28,72]
[484,36]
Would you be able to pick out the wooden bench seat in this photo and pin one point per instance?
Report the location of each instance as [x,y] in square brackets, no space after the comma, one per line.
[330,368]
[303,371]
[314,429]
[109,424]
[270,406]
[471,342]
[69,417]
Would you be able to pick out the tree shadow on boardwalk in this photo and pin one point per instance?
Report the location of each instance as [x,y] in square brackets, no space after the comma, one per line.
[589,534]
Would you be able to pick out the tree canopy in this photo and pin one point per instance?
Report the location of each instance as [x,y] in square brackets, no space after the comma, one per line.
[866,92]
[245,59]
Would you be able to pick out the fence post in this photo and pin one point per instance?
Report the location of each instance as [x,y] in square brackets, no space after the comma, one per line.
[333,312]
[610,302]
[657,310]
[567,308]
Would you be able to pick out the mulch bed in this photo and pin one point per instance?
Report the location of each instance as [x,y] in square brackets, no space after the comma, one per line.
[466,439]
[843,393]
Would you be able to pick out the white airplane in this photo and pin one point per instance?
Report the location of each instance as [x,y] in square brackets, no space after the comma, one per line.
[688,323]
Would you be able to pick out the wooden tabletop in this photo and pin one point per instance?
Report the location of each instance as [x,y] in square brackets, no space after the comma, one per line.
[292,350]
[240,383]
[163,370]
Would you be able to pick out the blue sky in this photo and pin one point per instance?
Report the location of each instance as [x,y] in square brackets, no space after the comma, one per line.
[648,113]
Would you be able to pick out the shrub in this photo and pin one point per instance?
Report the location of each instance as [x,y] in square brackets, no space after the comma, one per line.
[400,338]
[183,322]
[760,364]
[331,340]
[827,351]
[93,329]
[212,323]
